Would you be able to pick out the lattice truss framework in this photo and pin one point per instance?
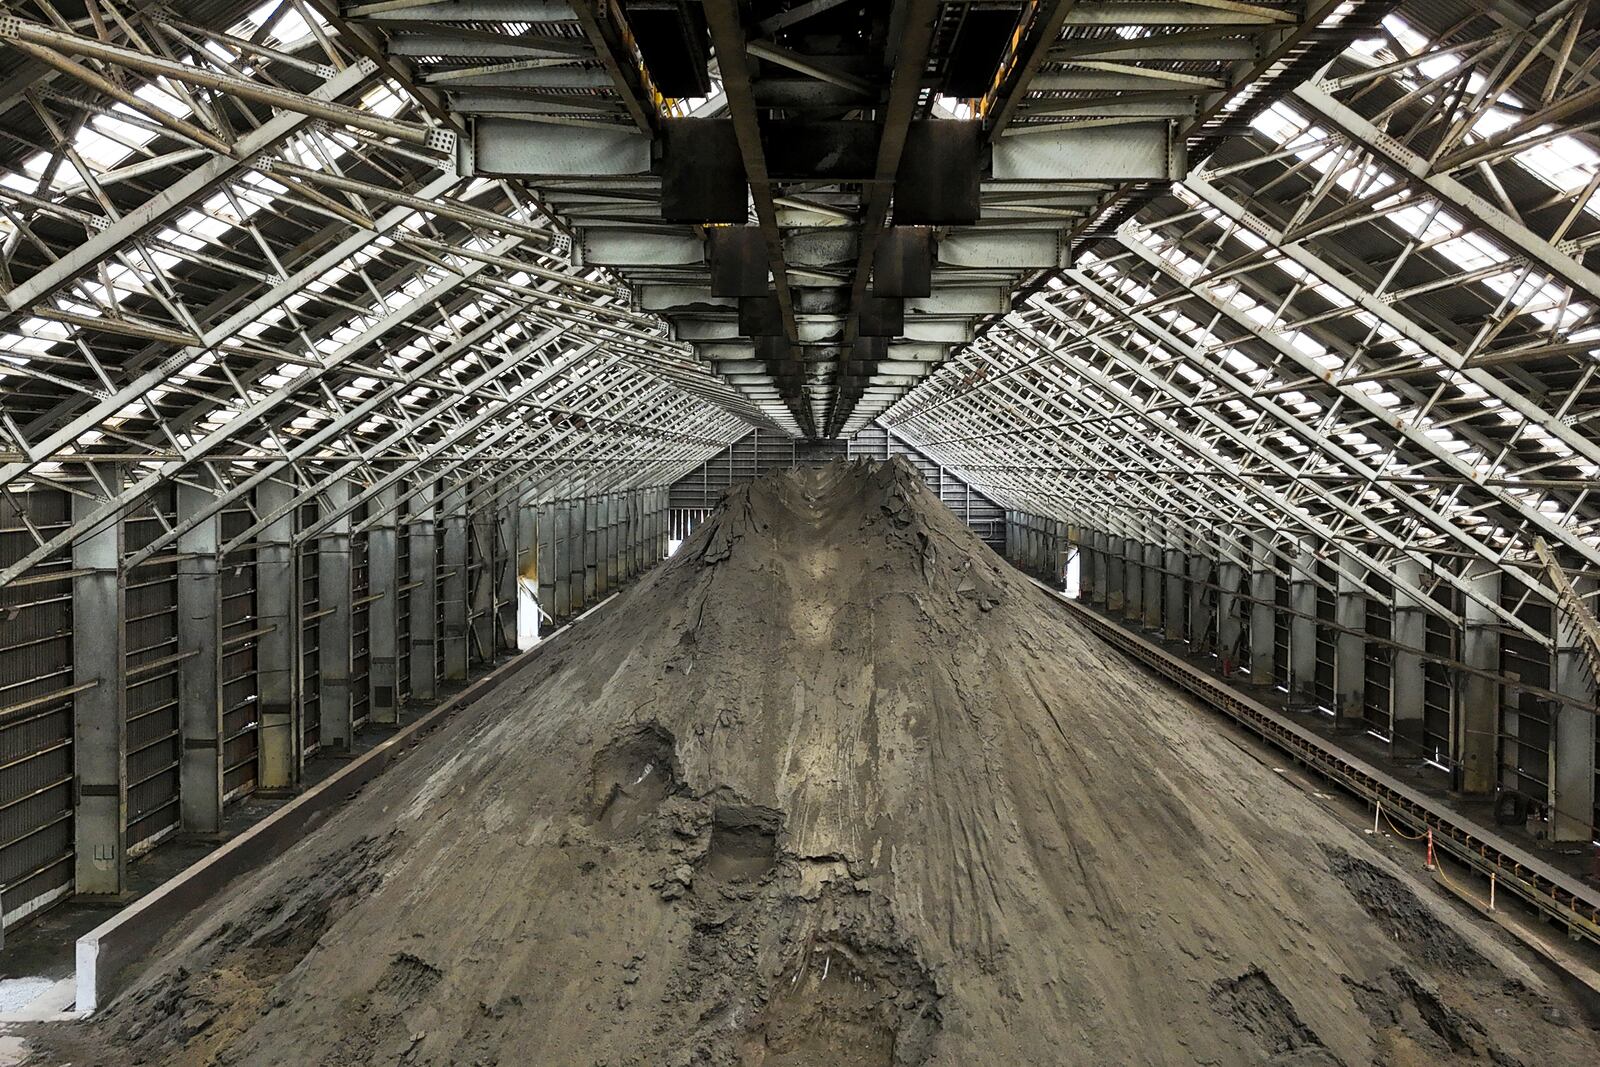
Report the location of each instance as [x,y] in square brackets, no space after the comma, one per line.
[246,255]
[1369,326]
[230,259]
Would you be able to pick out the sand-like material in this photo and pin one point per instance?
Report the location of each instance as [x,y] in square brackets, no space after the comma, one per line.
[833,786]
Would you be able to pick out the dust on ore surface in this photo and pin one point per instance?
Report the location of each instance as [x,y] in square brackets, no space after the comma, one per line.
[833,786]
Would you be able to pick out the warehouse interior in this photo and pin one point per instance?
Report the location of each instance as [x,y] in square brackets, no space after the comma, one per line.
[361,360]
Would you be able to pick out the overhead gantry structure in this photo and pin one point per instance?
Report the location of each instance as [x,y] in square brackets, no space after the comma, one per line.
[826,198]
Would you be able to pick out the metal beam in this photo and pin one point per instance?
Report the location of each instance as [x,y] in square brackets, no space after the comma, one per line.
[453,592]
[99,710]
[335,597]
[423,546]
[200,728]
[278,654]
[1136,151]
[383,612]
[728,41]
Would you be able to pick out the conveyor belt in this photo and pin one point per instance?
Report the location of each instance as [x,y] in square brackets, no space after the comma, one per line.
[1556,894]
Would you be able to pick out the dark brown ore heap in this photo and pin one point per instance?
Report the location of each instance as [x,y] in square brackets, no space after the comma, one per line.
[833,786]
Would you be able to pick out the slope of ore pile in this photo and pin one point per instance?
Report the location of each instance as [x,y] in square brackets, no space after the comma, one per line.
[833,786]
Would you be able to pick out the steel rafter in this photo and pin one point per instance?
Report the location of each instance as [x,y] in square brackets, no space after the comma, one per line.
[279,265]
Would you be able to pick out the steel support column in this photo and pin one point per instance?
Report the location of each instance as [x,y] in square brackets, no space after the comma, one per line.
[561,556]
[99,711]
[1408,629]
[481,594]
[608,544]
[453,583]
[527,620]
[1230,617]
[1263,611]
[1152,585]
[278,649]
[591,550]
[1303,625]
[1116,572]
[1477,698]
[663,534]
[545,560]
[577,553]
[1572,772]
[1350,644]
[424,551]
[507,571]
[1132,580]
[642,503]
[615,549]
[1177,606]
[1201,602]
[333,627]
[1091,583]
[383,609]
[200,670]
[636,535]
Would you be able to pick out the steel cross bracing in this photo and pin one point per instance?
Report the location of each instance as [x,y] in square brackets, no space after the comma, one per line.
[239,251]
[1372,316]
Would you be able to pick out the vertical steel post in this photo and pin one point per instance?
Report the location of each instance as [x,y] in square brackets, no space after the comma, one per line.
[453,583]
[1201,601]
[481,593]
[577,554]
[528,576]
[1152,585]
[636,538]
[1409,629]
[561,556]
[1263,611]
[423,662]
[545,561]
[1230,616]
[200,669]
[1350,646]
[278,667]
[333,627]
[1116,571]
[99,712]
[614,549]
[1477,698]
[1132,551]
[591,550]
[1572,773]
[507,571]
[1177,609]
[1087,578]
[1303,625]
[602,545]
[383,609]
[663,533]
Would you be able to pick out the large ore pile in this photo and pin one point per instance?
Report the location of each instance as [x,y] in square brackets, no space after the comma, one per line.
[833,786]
